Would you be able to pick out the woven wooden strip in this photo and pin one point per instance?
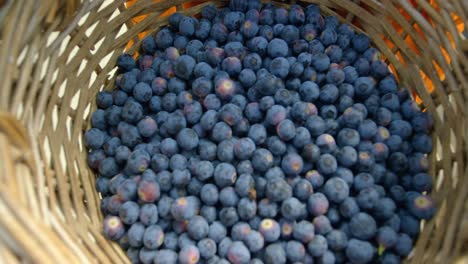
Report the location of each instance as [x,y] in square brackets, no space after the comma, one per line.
[52,68]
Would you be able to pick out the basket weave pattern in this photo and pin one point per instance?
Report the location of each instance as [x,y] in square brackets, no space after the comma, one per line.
[56,55]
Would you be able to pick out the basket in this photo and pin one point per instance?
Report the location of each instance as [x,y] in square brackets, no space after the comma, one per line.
[56,55]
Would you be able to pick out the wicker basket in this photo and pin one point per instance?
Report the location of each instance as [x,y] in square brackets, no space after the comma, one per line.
[56,55]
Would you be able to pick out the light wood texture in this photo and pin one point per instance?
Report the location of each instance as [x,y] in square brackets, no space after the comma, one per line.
[56,55]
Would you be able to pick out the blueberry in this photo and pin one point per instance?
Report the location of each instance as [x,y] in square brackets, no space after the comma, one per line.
[336,189]
[317,204]
[275,172]
[367,198]
[129,135]
[317,246]
[94,138]
[231,114]
[422,143]
[165,256]
[148,191]
[363,180]
[225,175]
[133,111]
[349,207]
[268,84]
[153,237]
[302,189]
[228,197]
[189,255]
[398,162]
[421,206]
[403,245]
[422,122]
[193,112]
[225,88]
[267,208]
[363,226]
[228,216]
[187,139]
[292,208]
[270,229]
[184,208]
[292,164]
[389,258]
[359,251]
[386,237]
[345,174]
[125,62]
[295,251]
[133,254]
[302,137]
[231,65]
[98,119]
[238,253]
[198,228]
[247,77]
[202,29]
[148,214]
[240,231]
[164,38]
[135,234]
[108,167]
[252,14]
[296,15]
[209,194]
[180,42]
[421,182]
[209,119]
[266,16]
[207,248]
[210,213]
[102,185]
[275,253]
[257,133]
[328,112]
[394,222]
[326,164]
[203,69]
[279,67]
[204,170]
[159,162]
[277,48]
[184,66]
[113,227]
[335,53]
[169,147]
[209,12]
[337,240]
[254,241]
[347,156]
[155,104]
[262,159]
[278,189]
[244,167]
[181,178]
[286,130]
[146,61]
[244,185]
[146,76]
[207,150]
[304,231]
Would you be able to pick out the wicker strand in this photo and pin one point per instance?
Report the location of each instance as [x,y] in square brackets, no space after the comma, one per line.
[55,56]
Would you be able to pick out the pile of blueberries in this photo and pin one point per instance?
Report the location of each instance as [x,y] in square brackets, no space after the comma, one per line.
[257,134]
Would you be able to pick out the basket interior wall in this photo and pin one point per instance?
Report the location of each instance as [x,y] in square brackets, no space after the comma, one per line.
[53,68]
